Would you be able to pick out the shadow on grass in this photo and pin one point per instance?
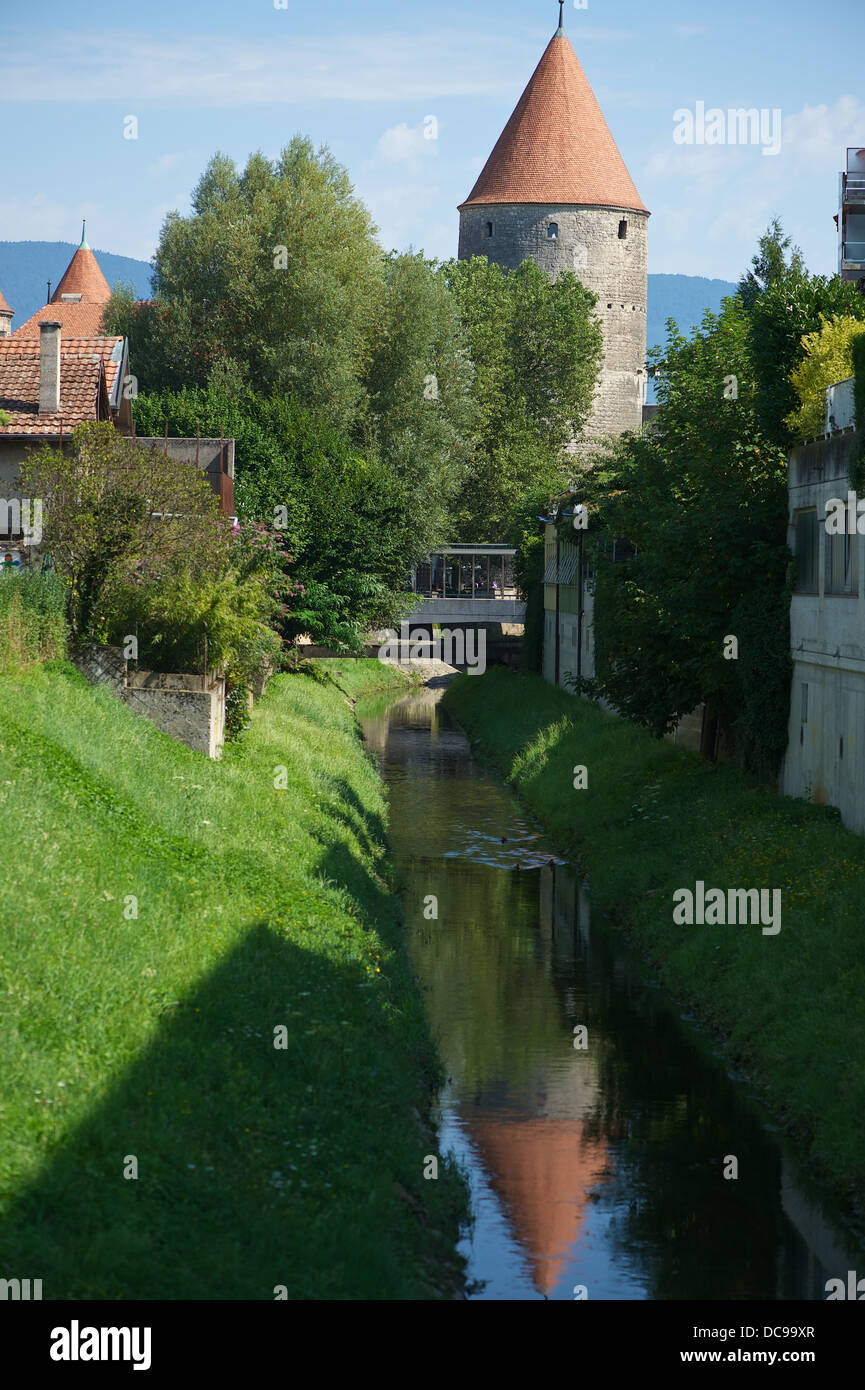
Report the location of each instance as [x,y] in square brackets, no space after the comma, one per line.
[256,1166]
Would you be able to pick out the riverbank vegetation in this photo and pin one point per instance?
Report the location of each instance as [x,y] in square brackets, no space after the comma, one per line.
[701,499]
[165,916]
[654,818]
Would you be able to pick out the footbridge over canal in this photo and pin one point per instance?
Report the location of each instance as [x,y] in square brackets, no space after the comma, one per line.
[469,585]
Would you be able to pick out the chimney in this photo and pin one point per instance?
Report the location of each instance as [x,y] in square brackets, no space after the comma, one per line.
[49,368]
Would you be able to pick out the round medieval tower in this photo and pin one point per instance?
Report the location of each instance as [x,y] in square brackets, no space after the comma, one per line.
[555,190]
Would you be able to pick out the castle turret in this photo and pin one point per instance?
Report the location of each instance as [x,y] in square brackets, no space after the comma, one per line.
[555,190]
[6,317]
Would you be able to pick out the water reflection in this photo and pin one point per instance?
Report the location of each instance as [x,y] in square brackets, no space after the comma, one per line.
[600,1167]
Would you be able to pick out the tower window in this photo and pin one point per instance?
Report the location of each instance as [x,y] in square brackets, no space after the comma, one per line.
[623,229]
[489,229]
[552,231]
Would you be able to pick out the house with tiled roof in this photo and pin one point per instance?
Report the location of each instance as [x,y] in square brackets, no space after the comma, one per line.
[58,370]
[79,301]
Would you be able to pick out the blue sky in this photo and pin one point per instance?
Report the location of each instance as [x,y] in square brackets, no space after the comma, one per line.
[202,75]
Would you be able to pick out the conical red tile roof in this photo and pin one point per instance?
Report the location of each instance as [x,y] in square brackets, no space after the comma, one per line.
[4,307]
[557,147]
[83,276]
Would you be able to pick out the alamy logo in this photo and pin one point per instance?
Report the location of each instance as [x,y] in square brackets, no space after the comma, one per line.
[457,648]
[845,518]
[77,1343]
[855,1288]
[19,1289]
[738,126]
[736,906]
[23,517]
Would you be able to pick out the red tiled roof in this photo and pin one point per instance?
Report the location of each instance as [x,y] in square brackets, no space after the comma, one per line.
[82,374]
[556,147]
[83,276]
[4,305]
[77,320]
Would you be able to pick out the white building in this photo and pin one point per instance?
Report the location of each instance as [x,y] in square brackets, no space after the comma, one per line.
[825,758]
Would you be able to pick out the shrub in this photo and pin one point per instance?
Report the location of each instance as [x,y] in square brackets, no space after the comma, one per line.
[828,358]
[32,618]
[113,508]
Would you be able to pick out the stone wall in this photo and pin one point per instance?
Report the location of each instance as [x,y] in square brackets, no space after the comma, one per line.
[188,707]
[613,267]
[103,666]
[177,704]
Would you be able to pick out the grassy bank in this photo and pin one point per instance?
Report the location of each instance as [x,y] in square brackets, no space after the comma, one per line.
[654,819]
[148,1040]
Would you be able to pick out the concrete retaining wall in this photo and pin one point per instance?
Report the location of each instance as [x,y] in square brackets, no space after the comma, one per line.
[187,707]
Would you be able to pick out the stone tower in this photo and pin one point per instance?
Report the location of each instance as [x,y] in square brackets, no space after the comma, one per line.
[555,190]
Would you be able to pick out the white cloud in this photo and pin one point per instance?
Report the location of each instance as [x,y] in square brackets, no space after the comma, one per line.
[212,71]
[166,164]
[712,202]
[409,145]
[110,226]
[817,136]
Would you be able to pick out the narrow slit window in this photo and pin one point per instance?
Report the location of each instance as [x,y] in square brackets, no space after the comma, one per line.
[807,550]
[623,228]
[489,229]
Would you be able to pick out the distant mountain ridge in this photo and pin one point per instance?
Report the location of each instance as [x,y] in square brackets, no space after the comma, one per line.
[27,266]
[684,298]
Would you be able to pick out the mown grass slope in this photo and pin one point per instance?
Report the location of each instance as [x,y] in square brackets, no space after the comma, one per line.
[147,1041]
[655,818]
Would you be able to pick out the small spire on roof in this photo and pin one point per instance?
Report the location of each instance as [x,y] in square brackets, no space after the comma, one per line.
[561,28]
[83,246]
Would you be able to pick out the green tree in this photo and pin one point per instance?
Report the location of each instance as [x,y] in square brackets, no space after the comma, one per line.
[536,347]
[784,302]
[828,358]
[702,497]
[344,517]
[161,350]
[112,507]
[276,273]
[419,383]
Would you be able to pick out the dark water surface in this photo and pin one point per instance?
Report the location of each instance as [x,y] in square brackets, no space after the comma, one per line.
[601,1167]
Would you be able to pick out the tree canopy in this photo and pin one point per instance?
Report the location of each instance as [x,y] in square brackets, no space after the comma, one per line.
[536,347]
[703,497]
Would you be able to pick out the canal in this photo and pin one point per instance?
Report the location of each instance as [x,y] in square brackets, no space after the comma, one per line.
[594,1121]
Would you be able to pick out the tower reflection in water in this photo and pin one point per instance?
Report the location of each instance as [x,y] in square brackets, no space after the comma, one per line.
[599,1167]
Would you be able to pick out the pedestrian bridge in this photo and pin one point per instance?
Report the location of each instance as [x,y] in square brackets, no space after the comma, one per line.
[467,583]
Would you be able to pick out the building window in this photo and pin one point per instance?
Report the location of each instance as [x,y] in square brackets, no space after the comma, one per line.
[623,228]
[842,564]
[489,229]
[804,703]
[552,231]
[807,543]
